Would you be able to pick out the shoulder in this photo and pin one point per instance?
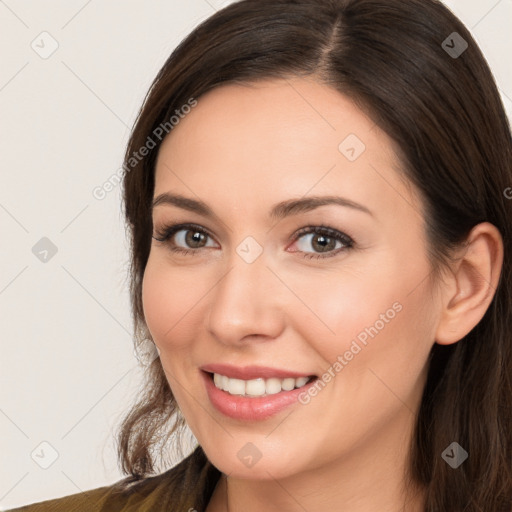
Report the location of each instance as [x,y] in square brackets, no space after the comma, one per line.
[88,500]
[113,498]
[189,482]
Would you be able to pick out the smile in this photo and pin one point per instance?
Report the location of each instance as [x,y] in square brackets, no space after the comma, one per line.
[258,387]
[253,393]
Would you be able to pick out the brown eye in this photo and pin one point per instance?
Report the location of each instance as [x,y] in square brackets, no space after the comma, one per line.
[183,237]
[194,238]
[323,240]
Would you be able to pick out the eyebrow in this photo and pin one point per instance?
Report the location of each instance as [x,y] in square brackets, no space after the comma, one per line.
[278,211]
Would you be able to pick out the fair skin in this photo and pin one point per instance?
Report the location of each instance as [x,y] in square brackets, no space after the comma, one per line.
[242,150]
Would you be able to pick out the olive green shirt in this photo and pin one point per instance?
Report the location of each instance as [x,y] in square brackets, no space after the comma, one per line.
[187,487]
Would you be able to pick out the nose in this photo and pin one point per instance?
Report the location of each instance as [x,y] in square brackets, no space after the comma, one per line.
[246,304]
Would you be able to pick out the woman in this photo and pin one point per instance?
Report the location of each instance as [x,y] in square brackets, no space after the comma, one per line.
[318,195]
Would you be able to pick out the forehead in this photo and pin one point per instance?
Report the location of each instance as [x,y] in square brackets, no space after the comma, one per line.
[245,146]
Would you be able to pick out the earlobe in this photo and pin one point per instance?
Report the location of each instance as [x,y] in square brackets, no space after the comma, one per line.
[473,282]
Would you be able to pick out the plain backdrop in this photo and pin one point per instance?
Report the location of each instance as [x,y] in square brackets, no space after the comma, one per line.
[67,367]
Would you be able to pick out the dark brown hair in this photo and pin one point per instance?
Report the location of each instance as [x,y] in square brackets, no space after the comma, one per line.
[445,115]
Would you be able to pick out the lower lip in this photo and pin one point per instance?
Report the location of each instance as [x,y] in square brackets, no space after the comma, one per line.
[250,409]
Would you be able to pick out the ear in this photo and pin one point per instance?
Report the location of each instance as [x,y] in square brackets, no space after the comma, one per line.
[470,288]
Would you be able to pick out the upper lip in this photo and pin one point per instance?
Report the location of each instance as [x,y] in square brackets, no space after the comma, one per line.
[252,372]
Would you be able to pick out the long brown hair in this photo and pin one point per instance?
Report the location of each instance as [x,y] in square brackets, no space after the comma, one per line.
[439,103]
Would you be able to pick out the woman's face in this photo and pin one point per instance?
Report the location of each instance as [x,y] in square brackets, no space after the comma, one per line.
[259,297]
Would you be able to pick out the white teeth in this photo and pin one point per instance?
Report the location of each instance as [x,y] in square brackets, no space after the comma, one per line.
[272,386]
[254,387]
[257,387]
[236,386]
[288,384]
[301,381]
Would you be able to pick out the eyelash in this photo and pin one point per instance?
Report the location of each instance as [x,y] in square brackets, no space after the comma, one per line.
[167,231]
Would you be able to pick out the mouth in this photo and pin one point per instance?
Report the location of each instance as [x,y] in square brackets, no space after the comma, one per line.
[263,392]
[258,387]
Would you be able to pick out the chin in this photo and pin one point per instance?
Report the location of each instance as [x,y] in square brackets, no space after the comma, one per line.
[248,462]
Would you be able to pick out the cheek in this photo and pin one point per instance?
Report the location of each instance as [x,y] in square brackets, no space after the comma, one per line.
[381,316]
[170,298]
[385,351]
[336,309]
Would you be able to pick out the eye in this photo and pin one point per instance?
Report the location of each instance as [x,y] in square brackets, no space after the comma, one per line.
[327,241]
[183,238]
[187,238]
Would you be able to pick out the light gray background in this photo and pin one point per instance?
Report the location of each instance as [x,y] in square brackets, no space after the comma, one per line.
[67,367]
